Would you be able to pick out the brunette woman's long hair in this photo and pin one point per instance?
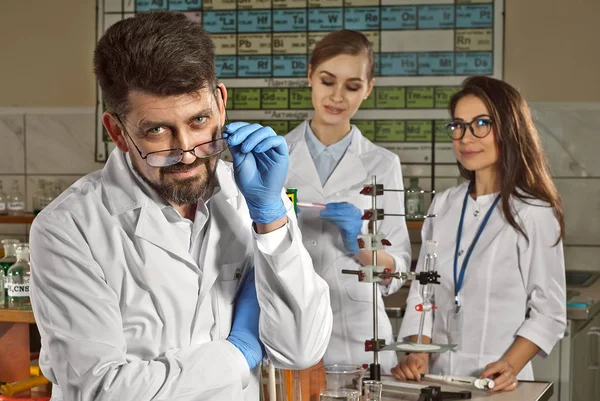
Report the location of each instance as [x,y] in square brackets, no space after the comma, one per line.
[523,170]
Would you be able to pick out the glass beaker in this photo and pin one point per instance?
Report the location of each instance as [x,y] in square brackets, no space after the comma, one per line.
[339,394]
[344,377]
[372,390]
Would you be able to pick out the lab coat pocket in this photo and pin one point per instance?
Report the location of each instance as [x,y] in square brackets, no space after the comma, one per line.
[228,281]
[359,292]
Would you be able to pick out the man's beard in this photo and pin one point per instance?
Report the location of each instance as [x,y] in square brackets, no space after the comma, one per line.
[186,191]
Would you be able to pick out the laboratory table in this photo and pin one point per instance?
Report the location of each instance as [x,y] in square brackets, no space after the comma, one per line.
[526,391]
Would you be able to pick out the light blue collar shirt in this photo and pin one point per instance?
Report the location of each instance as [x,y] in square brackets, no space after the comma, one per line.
[326,158]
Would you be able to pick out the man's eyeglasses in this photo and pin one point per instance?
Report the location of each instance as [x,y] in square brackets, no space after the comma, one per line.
[169,157]
[480,127]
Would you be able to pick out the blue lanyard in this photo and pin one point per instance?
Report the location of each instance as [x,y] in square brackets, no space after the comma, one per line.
[458,282]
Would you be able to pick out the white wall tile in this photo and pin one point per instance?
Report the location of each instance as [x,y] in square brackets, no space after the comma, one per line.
[581,200]
[570,135]
[424,170]
[61,143]
[415,170]
[12,144]
[582,258]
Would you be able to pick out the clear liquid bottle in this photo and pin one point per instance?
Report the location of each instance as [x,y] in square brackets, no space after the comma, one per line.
[16,201]
[3,202]
[9,259]
[415,200]
[47,195]
[57,186]
[39,197]
[18,280]
[2,297]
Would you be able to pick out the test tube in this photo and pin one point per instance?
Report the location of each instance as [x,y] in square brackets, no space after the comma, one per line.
[426,290]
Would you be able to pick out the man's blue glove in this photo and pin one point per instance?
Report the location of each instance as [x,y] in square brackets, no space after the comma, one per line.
[260,161]
[244,330]
[348,219]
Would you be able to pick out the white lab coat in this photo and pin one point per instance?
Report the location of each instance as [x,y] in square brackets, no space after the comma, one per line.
[511,287]
[125,313]
[351,301]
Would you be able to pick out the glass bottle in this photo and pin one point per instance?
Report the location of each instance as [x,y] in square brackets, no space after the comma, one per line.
[39,197]
[16,201]
[56,189]
[3,201]
[47,194]
[9,259]
[18,280]
[415,200]
[2,297]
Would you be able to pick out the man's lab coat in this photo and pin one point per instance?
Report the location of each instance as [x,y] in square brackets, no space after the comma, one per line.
[125,313]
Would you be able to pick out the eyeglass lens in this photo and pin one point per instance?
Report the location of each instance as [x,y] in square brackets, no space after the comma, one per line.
[480,127]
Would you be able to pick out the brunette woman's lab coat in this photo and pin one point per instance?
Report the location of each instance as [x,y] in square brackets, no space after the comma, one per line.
[351,300]
[511,287]
[126,313]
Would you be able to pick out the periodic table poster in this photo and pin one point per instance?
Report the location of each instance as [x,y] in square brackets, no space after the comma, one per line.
[424,49]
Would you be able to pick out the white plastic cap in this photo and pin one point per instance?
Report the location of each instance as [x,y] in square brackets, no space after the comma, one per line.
[431,246]
[484,384]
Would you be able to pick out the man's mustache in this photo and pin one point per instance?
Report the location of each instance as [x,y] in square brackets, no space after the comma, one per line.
[182,167]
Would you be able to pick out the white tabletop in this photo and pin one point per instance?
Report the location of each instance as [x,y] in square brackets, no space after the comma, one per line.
[526,391]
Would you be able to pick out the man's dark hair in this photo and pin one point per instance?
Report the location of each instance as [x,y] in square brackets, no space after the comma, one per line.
[163,53]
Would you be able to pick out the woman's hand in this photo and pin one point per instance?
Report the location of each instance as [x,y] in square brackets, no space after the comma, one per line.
[503,374]
[412,366]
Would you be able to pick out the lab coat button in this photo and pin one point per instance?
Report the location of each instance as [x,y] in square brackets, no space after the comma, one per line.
[313,243]
[460,252]
[476,213]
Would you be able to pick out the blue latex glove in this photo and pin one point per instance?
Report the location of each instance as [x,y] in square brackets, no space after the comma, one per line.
[244,330]
[347,218]
[260,161]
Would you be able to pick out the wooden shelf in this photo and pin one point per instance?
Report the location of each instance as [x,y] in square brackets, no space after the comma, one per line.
[414,224]
[26,218]
[16,316]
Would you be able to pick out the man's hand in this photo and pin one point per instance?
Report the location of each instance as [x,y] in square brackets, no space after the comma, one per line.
[244,330]
[260,161]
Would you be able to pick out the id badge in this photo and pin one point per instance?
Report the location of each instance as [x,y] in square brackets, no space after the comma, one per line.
[455,327]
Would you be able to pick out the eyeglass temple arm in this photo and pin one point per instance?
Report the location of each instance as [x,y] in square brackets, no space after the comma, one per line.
[127,133]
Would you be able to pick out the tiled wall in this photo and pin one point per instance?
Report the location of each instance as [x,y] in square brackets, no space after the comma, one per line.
[44,144]
[59,144]
[570,134]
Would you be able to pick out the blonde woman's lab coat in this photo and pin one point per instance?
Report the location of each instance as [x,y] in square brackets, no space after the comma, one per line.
[351,301]
[511,287]
[125,313]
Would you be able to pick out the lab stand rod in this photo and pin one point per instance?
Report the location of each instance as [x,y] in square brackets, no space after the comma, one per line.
[375,318]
